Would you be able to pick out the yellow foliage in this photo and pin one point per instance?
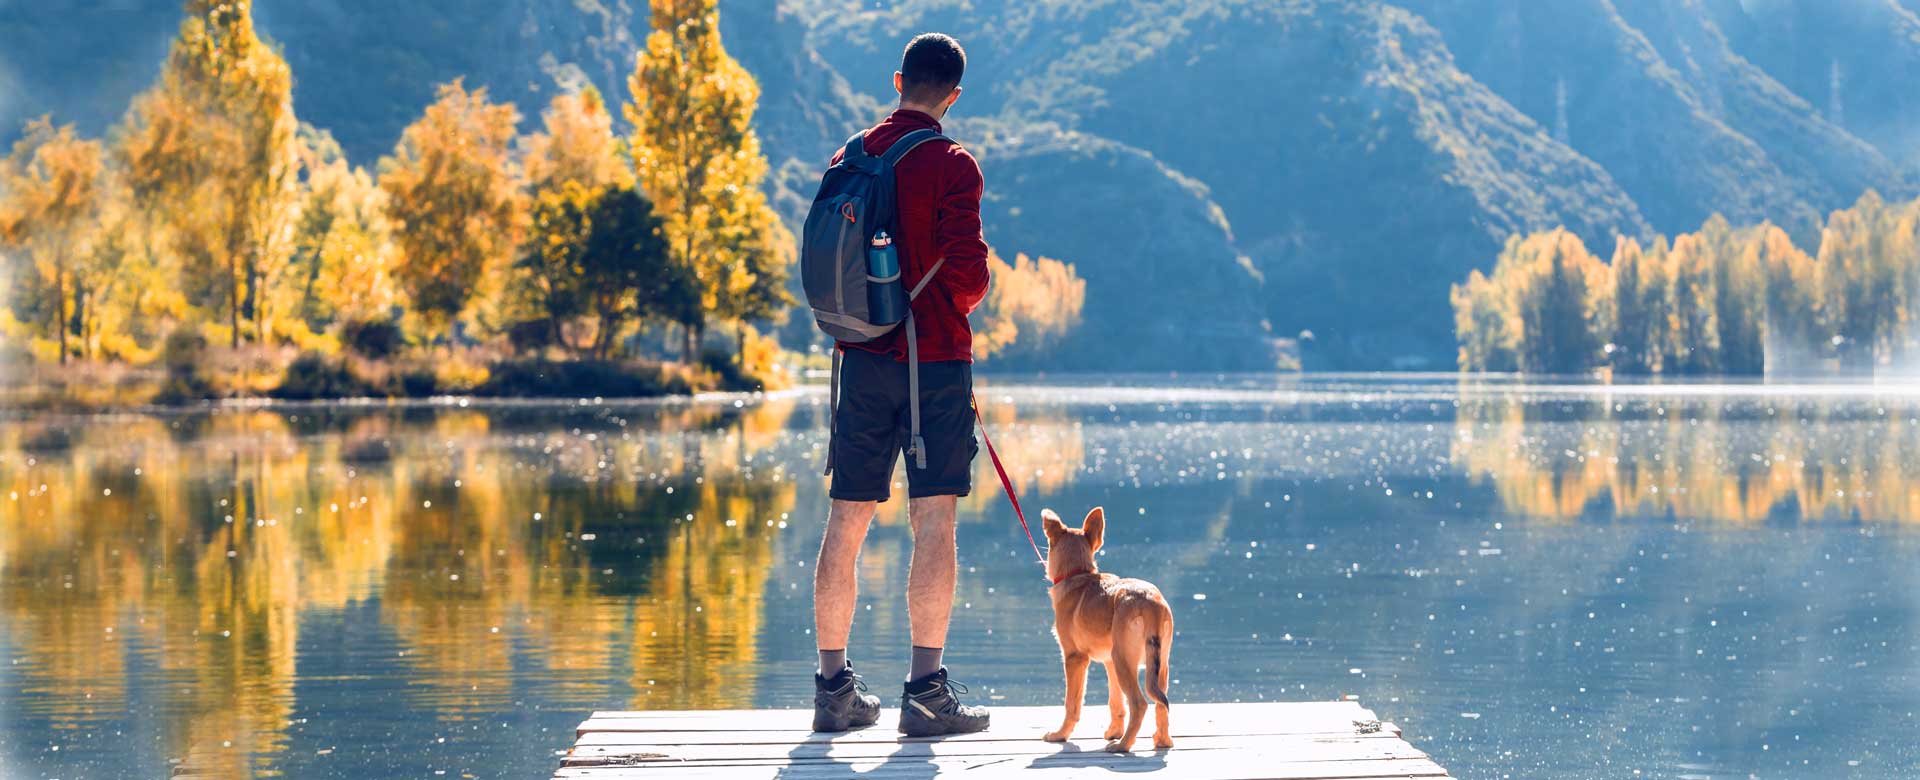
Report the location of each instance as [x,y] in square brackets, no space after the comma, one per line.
[453,190]
[1033,302]
[49,194]
[697,157]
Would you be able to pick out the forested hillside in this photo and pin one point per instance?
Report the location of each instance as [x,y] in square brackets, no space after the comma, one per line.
[1222,173]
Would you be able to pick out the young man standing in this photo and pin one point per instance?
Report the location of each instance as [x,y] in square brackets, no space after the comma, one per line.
[938,188]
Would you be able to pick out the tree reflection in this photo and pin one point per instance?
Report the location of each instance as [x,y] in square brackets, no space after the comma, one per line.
[600,556]
[1734,460]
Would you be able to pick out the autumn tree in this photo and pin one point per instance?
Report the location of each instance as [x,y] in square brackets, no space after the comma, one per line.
[1485,324]
[1034,303]
[1558,302]
[108,283]
[1692,344]
[1867,264]
[49,195]
[698,160]
[1738,282]
[577,144]
[1792,336]
[210,155]
[453,192]
[1639,305]
[343,260]
[1546,308]
[627,269]
[573,163]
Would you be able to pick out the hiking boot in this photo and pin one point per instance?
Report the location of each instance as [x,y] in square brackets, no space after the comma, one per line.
[929,708]
[842,702]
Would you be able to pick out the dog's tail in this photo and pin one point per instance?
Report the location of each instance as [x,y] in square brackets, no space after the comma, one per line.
[1159,647]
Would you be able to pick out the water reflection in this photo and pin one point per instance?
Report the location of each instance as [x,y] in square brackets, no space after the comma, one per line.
[501,553]
[1740,460]
[1706,582]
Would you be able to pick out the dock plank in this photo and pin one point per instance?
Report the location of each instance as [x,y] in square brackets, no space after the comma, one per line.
[1314,749]
[883,733]
[1300,717]
[1187,766]
[1339,740]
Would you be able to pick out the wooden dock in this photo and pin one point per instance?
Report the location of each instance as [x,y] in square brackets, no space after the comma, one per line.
[1253,741]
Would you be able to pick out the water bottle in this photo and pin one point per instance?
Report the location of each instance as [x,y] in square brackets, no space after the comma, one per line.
[886,294]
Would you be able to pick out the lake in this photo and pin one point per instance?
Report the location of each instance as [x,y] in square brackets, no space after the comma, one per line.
[1534,581]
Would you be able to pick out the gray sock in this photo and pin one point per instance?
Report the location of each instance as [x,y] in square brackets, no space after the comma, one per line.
[832,661]
[926,660]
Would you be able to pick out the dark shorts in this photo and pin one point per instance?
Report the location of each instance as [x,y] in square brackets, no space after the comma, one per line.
[871,427]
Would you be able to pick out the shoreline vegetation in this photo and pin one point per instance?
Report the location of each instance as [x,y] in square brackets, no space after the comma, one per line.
[214,246]
[1721,301]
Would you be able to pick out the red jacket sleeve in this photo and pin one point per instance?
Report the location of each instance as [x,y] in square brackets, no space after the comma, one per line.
[957,232]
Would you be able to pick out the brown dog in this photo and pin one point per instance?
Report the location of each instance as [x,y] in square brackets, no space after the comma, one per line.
[1120,623]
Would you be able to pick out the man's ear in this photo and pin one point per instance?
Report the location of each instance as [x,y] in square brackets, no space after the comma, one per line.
[1094,527]
[1050,523]
[896,83]
[954,97]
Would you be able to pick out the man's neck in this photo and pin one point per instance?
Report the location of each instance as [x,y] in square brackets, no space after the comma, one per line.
[936,112]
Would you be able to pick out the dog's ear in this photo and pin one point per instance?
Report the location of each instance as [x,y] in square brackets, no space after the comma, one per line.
[1050,523]
[1094,527]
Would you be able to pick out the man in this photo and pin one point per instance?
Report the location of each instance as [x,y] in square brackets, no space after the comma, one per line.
[938,188]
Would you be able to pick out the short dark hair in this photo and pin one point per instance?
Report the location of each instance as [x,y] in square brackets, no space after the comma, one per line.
[931,67]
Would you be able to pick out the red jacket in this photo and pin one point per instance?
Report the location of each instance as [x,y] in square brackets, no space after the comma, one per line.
[938,187]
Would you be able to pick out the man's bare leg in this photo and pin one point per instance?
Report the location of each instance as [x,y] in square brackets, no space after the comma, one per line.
[835,584]
[930,580]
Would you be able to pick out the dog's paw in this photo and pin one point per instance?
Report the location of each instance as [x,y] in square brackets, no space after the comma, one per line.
[1114,731]
[1161,742]
[1118,746]
[1055,736]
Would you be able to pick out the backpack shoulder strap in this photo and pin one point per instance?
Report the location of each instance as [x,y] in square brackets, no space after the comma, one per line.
[855,151]
[907,143]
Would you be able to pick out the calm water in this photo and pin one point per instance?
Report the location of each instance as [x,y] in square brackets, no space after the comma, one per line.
[1538,582]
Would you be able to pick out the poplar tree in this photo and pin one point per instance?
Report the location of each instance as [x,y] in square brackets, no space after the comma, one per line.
[1636,307]
[344,241]
[49,195]
[211,156]
[453,193]
[698,160]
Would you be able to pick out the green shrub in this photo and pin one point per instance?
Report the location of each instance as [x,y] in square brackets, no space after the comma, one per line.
[183,350]
[312,376]
[374,338]
[727,373]
[579,379]
[183,353]
[531,336]
[416,382]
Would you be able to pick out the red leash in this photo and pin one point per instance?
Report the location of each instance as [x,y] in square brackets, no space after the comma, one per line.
[1005,483]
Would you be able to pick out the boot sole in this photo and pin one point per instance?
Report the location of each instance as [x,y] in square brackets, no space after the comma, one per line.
[938,731]
[831,726]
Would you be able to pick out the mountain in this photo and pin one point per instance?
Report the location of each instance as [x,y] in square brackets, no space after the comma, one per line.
[1049,193]
[81,63]
[1854,60]
[1652,90]
[1221,172]
[1354,161]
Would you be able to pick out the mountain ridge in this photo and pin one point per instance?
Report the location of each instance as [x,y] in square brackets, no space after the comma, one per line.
[1304,164]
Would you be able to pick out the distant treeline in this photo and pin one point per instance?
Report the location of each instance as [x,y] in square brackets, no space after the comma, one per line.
[211,214]
[1722,300]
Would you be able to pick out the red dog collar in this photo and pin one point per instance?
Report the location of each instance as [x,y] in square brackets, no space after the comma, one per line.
[1070,575]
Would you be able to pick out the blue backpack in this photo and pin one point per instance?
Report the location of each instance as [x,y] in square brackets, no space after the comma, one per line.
[854,206]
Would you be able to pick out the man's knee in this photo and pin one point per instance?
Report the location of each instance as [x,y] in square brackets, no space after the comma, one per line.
[932,514]
[850,516]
